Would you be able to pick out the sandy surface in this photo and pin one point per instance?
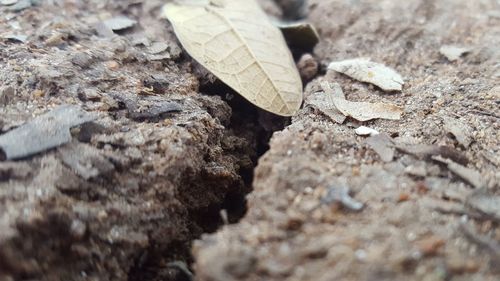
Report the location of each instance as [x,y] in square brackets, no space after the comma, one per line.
[167,150]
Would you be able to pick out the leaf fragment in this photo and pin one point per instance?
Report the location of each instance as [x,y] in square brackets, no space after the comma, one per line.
[365,70]
[237,43]
[365,111]
[119,23]
[323,101]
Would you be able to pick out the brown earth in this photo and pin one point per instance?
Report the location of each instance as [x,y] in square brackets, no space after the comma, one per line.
[169,150]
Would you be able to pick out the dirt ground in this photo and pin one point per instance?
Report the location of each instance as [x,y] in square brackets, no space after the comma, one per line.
[157,150]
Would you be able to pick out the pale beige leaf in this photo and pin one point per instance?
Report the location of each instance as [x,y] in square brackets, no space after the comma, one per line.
[235,41]
[364,111]
[364,70]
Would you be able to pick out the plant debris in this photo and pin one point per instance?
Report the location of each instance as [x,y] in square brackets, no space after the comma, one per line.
[365,111]
[47,131]
[453,53]
[471,176]
[382,145]
[244,50]
[119,23]
[461,131]
[363,69]
[332,100]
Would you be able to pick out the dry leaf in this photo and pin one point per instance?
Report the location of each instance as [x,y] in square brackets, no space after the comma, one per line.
[323,101]
[364,111]
[119,23]
[238,44]
[332,102]
[364,70]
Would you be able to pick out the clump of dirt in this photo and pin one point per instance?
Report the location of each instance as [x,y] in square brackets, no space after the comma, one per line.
[417,222]
[126,196]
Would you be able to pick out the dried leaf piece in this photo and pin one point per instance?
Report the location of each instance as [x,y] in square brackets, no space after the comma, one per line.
[47,131]
[461,131]
[238,44]
[364,111]
[364,70]
[425,151]
[469,175]
[119,23]
[453,53]
[323,101]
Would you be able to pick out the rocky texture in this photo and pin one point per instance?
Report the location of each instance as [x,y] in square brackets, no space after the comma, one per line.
[124,198]
[416,223]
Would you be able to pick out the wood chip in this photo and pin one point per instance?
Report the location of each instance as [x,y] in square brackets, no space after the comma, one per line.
[364,70]
[243,49]
[323,101]
[365,111]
